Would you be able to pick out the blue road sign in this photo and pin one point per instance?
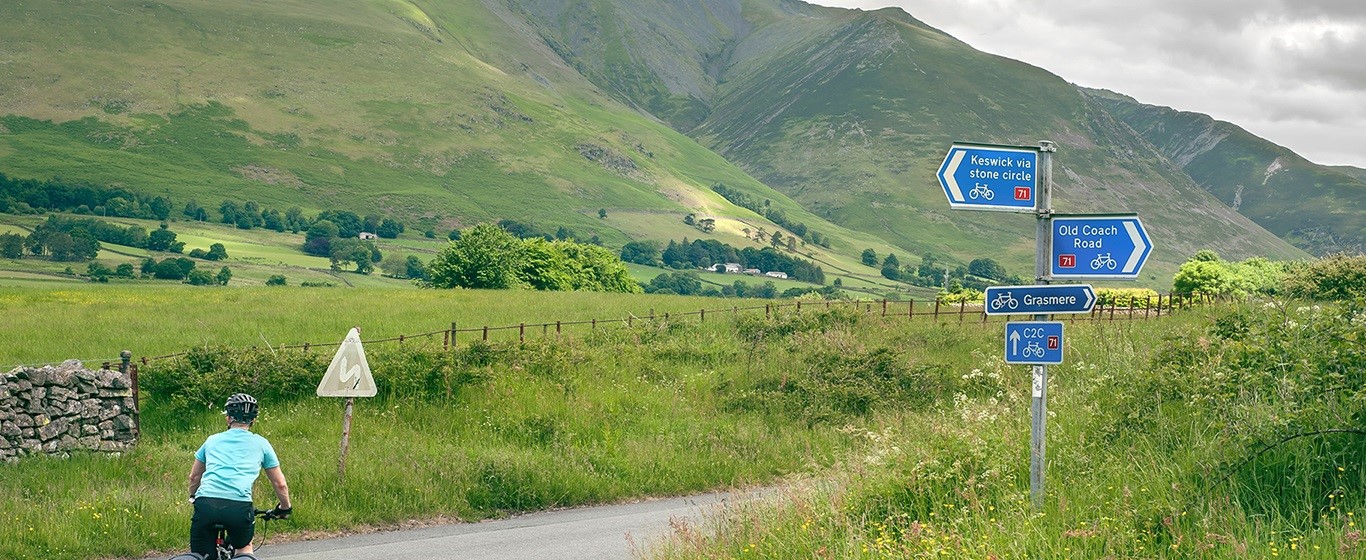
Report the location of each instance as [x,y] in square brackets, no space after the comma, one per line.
[1034,342]
[1055,298]
[1098,247]
[990,177]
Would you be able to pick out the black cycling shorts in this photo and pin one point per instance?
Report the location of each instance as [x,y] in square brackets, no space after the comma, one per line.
[209,513]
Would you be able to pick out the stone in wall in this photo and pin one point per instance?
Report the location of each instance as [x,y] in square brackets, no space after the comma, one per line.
[63,408]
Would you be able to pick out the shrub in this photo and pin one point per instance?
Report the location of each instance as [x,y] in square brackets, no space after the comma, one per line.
[1334,277]
[276,280]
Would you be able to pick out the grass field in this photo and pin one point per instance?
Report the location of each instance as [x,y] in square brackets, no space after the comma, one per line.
[893,438]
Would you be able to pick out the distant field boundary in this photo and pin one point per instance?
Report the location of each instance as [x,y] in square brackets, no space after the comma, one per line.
[939,311]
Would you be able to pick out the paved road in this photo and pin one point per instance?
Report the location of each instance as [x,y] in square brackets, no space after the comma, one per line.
[604,532]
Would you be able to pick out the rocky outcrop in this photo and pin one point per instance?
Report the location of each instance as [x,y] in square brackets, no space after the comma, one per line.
[58,409]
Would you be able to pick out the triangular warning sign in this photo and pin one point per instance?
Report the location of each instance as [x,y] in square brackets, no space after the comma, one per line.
[349,374]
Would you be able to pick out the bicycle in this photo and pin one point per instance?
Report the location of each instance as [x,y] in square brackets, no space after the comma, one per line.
[1103,260]
[1033,350]
[981,190]
[1004,300]
[224,549]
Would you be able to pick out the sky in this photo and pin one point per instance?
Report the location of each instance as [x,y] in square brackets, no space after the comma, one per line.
[1292,72]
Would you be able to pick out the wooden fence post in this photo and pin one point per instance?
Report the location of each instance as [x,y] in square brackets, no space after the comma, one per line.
[962,305]
[521,332]
[703,314]
[884,307]
[768,310]
[910,309]
[936,310]
[486,333]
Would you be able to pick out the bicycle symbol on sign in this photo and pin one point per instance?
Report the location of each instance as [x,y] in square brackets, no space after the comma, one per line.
[1004,300]
[1103,260]
[980,190]
[1032,350]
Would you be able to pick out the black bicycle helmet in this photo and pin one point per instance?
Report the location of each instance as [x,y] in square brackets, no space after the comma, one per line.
[241,407]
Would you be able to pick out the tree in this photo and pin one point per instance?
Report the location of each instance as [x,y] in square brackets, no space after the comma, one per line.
[194,211]
[891,260]
[371,223]
[777,239]
[124,270]
[173,269]
[485,256]
[318,239]
[1202,277]
[891,272]
[217,252]
[602,213]
[230,211]
[641,252]
[161,239]
[987,268]
[707,225]
[224,274]
[396,268]
[389,229]
[869,257]
[276,280]
[294,219]
[200,278]
[11,245]
[690,219]
[414,268]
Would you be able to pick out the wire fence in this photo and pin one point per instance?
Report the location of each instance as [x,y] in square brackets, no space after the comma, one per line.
[1133,308]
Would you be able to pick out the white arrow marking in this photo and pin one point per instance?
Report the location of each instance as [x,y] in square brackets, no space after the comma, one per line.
[1139,247]
[955,192]
[1014,342]
[1090,297]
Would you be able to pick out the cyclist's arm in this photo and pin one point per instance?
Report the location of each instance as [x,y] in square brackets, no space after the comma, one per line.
[196,474]
[277,479]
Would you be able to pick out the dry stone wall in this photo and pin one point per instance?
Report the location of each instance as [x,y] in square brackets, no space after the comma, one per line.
[58,409]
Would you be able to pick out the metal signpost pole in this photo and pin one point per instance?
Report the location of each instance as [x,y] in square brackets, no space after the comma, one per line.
[1043,253]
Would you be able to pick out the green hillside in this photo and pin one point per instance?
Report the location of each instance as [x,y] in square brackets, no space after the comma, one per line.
[1320,209]
[442,114]
[850,113]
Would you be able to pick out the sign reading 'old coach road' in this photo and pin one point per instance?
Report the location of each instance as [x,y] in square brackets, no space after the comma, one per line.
[1098,246]
[984,177]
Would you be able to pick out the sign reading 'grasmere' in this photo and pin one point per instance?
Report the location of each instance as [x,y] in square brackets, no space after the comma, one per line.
[980,177]
[1045,299]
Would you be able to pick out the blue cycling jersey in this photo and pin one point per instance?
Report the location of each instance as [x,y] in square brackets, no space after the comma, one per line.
[232,461]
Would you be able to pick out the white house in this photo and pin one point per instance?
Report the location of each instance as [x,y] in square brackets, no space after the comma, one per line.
[753,271]
[776,274]
[368,235]
[728,268]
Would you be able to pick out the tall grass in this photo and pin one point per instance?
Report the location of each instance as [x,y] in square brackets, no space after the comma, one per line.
[1178,442]
[656,408]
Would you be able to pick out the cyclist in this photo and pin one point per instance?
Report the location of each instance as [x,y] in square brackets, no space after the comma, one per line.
[225,468]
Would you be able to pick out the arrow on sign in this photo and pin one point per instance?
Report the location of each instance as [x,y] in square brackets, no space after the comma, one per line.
[1140,247]
[1014,342]
[947,175]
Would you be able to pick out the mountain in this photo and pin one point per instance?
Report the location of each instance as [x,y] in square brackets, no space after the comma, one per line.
[850,113]
[1357,172]
[440,113]
[1320,209]
[448,112]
